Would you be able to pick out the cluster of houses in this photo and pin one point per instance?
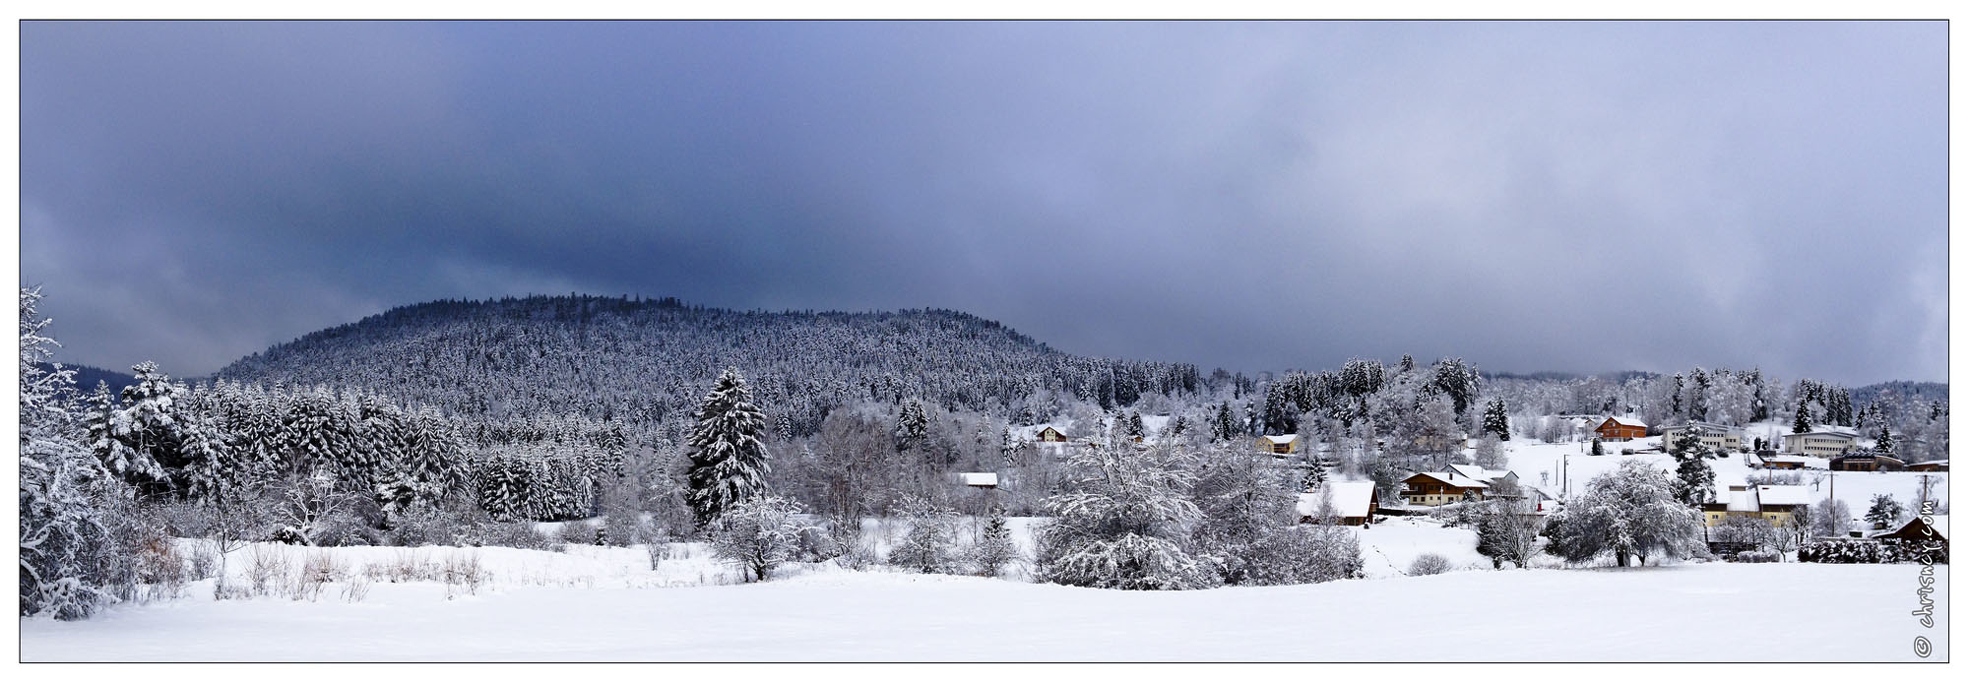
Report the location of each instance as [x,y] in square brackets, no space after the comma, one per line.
[1357,503]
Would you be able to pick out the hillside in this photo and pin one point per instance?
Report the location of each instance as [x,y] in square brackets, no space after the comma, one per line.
[645,361]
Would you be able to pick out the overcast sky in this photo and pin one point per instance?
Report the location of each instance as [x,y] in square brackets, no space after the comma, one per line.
[1528,196]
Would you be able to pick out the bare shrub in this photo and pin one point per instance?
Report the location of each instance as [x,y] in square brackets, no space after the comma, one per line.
[204,562]
[266,569]
[318,570]
[463,571]
[161,570]
[520,535]
[1427,564]
[580,532]
[356,589]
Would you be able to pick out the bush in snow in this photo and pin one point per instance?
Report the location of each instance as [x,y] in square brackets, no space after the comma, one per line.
[1630,512]
[1842,552]
[1121,521]
[757,535]
[1755,556]
[931,545]
[1428,564]
[1831,518]
[578,532]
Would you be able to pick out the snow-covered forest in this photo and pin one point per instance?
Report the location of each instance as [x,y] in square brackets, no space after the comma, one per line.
[772,438]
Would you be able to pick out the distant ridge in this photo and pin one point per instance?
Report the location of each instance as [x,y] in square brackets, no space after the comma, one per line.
[649,361]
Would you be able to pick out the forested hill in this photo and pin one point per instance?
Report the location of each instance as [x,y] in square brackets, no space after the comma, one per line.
[643,361]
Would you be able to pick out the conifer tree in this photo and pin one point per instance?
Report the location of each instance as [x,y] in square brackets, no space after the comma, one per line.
[727,459]
[1884,443]
[1802,422]
[912,425]
[1496,421]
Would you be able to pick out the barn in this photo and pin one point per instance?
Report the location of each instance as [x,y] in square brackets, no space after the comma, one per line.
[1621,429]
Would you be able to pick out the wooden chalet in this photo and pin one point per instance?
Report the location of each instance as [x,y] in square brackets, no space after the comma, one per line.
[1047,433]
[1621,429]
[1930,466]
[1867,462]
[1429,489]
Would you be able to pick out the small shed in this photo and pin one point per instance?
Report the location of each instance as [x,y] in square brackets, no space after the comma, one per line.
[979,480]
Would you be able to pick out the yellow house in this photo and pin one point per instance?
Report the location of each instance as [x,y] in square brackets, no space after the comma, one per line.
[1286,444]
[1774,503]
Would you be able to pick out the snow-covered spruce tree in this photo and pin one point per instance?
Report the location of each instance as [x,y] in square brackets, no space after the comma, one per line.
[1802,421]
[1884,512]
[931,545]
[994,548]
[757,534]
[1496,421]
[1695,482]
[1630,512]
[64,542]
[912,425]
[1884,441]
[727,458]
[1121,519]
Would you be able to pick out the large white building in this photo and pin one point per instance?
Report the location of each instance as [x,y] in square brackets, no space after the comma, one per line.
[1823,442]
[1713,436]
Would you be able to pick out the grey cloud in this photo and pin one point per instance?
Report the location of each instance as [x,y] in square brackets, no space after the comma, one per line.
[1255,196]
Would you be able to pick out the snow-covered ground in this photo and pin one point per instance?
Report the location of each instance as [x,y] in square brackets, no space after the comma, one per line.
[1698,612]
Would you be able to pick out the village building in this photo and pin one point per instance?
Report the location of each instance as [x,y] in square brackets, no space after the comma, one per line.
[1714,436]
[979,480]
[1930,466]
[1049,433]
[1772,460]
[1772,502]
[1919,532]
[1824,442]
[1867,461]
[1284,444]
[1429,489]
[1353,503]
[1621,429]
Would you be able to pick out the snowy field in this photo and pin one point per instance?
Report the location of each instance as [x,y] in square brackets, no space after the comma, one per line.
[600,604]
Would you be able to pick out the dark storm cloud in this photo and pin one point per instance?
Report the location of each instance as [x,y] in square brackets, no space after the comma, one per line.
[1547,196]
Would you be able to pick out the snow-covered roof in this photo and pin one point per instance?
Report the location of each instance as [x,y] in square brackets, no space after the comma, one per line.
[1777,494]
[1281,439]
[1479,473]
[1350,498]
[1705,427]
[1829,430]
[1940,525]
[1743,499]
[1628,422]
[980,478]
[1034,430]
[1454,479]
